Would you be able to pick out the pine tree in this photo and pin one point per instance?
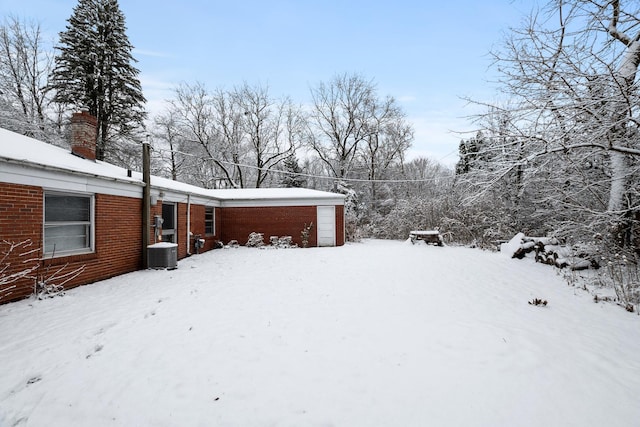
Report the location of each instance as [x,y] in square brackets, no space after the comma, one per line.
[469,153]
[293,177]
[94,72]
[463,164]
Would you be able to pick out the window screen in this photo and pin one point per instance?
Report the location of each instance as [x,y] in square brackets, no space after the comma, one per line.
[67,223]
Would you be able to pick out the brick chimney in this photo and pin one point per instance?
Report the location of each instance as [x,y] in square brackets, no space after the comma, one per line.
[83,135]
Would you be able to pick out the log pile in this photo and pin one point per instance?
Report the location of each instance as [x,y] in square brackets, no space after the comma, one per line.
[548,250]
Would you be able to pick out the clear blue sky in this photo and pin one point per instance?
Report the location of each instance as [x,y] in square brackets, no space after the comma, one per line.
[427,54]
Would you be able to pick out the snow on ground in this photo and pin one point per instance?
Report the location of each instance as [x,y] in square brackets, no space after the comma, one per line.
[378,333]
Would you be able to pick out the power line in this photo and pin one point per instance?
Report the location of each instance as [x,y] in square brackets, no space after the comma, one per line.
[306,175]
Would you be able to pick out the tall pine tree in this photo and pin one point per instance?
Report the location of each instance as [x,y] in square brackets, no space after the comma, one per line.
[94,72]
[293,176]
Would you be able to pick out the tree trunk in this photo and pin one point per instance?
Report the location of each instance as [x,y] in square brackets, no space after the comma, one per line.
[625,76]
[619,181]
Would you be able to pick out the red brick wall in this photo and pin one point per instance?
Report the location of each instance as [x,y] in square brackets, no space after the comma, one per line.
[118,225]
[181,232]
[20,221]
[238,223]
[118,242]
[118,238]
[339,225]
[198,228]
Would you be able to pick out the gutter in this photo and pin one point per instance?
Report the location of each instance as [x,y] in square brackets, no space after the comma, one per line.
[70,171]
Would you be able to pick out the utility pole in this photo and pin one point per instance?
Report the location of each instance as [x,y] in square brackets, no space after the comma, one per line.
[146,202]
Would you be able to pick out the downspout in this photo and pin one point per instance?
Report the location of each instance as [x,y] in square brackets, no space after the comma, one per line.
[188,227]
[146,201]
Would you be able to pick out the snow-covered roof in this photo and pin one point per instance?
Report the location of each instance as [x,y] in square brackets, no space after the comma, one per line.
[16,148]
[275,196]
[28,154]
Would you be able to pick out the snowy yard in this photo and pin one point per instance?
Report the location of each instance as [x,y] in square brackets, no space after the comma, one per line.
[371,334]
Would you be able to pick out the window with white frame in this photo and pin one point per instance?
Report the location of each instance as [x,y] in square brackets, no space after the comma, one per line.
[209,220]
[68,223]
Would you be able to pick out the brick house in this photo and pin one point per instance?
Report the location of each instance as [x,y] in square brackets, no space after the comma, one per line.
[66,213]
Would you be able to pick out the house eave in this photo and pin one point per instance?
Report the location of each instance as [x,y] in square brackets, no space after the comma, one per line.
[280,202]
[57,169]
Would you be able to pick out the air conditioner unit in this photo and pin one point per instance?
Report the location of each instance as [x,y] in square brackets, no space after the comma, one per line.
[163,255]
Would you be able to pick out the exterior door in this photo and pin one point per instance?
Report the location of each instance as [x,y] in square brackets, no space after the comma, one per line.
[326,218]
[169,222]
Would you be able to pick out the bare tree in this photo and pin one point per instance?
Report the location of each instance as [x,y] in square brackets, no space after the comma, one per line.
[229,138]
[623,132]
[387,140]
[24,68]
[170,156]
[272,129]
[568,132]
[340,119]
[232,145]
[425,178]
[205,129]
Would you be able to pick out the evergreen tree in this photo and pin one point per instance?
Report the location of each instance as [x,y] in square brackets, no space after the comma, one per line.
[293,177]
[93,71]
[463,164]
[468,151]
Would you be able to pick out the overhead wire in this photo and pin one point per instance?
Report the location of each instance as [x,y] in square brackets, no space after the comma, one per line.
[306,175]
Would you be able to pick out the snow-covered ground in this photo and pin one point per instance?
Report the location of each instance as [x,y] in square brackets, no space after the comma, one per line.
[378,333]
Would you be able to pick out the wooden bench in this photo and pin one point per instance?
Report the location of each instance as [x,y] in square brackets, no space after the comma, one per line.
[427,236]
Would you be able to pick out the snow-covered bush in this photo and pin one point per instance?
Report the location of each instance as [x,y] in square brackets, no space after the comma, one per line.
[47,281]
[305,234]
[351,211]
[52,283]
[412,214]
[282,242]
[12,254]
[255,240]
[623,274]
[45,290]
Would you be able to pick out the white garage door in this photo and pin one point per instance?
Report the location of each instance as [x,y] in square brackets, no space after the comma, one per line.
[326,225]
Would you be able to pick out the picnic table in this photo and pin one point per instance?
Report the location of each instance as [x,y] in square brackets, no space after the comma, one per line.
[427,236]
